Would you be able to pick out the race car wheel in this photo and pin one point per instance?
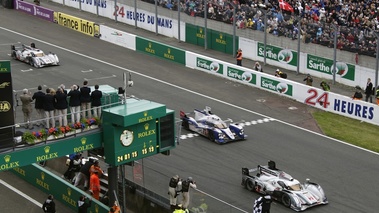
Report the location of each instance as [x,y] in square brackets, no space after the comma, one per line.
[211,136]
[14,55]
[31,62]
[185,125]
[250,185]
[286,200]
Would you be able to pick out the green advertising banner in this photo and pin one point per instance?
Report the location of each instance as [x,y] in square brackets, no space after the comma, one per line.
[50,150]
[210,66]
[62,190]
[216,40]
[325,65]
[160,50]
[244,76]
[285,56]
[277,86]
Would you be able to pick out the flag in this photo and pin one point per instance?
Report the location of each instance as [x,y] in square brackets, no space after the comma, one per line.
[285,6]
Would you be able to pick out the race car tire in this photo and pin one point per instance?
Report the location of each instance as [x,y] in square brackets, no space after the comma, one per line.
[32,63]
[185,125]
[250,185]
[286,200]
[211,136]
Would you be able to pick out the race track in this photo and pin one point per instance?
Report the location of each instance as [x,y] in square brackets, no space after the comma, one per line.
[347,174]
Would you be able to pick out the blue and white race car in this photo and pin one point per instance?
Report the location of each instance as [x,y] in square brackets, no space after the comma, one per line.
[33,56]
[211,126]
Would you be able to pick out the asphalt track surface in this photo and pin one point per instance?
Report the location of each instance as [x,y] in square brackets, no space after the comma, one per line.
[347,174]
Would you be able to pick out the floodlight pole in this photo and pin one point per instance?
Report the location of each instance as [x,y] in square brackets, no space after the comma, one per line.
[298,45]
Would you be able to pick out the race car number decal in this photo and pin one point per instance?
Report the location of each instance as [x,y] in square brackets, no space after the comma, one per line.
[315,98]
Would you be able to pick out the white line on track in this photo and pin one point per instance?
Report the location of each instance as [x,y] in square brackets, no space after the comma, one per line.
[105,77]
[29,70]
[184,89]
[20,193]
[84,71]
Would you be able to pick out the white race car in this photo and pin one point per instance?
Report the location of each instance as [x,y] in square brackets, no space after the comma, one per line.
[34,56]
[282,187]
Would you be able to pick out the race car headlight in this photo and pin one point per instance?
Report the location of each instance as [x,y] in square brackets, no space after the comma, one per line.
[221,135]
[241,132]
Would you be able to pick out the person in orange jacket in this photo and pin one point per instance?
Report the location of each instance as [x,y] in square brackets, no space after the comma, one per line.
[95,185]
[239,57]
[96,167]
[115,208]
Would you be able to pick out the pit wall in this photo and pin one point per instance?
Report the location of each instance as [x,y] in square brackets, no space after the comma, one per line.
[62,190]
[348,73]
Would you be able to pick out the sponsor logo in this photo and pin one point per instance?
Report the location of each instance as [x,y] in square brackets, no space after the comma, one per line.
[41,182]
[168,54]
[285,56]
[5,84]
[209,65]
[67,198]
[276,86]
[149,49]
[354,109]
[116,33]
[220,40]
[5,106]
[47,155]
[145,117]
[244,76]
[84,146]
[200,34]
[147,131]
[77,24]
[326,66]
[8,163]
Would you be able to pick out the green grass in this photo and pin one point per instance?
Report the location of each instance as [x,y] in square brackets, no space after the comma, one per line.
[352,131]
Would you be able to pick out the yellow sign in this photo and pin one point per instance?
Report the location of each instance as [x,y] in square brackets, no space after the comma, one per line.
[77,24]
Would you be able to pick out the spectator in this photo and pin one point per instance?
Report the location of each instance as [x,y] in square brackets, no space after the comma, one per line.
[377,95]
[73,167]
[358,93]
[325,86]
[258,67]
[61,106]
[96,167]
[115,208]
[308,80]
[84,174]
[83,205]
[39,97]
[280,74]
[48,106]
[74,103]
[49,205]
[239,57]
[96,101]
[95,185]
[85,100]
[369,90]
[26,99]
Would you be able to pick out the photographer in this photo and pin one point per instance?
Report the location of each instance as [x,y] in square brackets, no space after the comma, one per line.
[308,80]
[186,185]
[174,184]
[83,205]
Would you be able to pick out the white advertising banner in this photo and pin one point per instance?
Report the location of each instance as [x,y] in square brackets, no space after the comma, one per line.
[312,96]
[118,37]
[126,14]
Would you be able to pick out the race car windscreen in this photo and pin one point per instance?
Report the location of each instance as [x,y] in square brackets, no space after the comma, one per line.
[296,187]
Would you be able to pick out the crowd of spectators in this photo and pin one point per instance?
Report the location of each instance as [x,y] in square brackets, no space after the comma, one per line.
[356,21]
